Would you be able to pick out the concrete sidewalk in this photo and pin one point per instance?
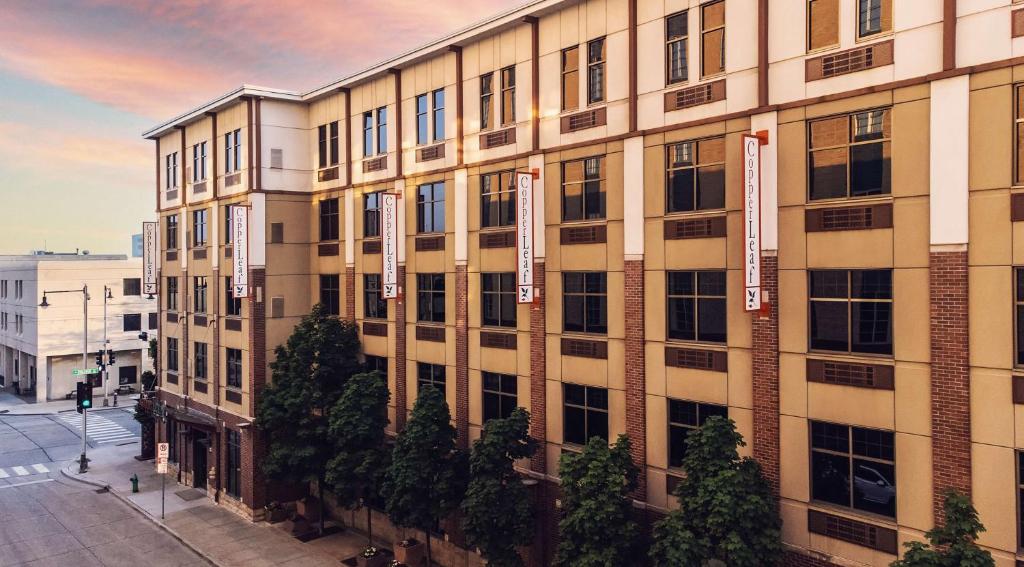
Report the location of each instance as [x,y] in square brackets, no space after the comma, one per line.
[220,536]
[13,405]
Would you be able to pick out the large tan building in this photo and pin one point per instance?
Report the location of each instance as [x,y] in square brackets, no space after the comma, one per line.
[883,370]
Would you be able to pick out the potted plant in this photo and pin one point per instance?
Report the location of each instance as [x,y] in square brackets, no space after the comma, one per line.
[275,512]
[409,551]
[371,557]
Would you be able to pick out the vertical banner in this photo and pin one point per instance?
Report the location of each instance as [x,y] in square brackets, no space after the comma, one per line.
[389,245]
[149,256]
[524,237]
[752,222]
[240,251]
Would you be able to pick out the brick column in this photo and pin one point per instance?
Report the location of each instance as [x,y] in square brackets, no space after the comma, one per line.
[462,355]
[400,352]
[950,376]
[217,288]
[636,387]
[350,293]
[766,374]
[253,484]
[538,370]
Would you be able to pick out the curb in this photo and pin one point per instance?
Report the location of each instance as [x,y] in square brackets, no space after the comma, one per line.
[70,475]
[57,412]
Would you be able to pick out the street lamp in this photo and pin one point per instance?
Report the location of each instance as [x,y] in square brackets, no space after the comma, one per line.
[107,294]
[83,463]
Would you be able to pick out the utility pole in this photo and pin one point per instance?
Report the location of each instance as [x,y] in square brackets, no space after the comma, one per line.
[83,462]
[106,347]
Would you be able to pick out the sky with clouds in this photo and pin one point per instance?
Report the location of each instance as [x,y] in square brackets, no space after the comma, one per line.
[80,80]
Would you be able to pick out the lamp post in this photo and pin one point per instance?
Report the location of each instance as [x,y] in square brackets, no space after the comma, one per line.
[107,294]
[83,462]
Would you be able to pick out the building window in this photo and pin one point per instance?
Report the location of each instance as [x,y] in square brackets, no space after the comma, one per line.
[851,311]
[371,215]
[571,78]
[430,207]
[171,232]
[430,298]
[850,155]
[422,113]
[3,321]
[382,130]
[234,367]
[19,288]
[497,199]
[19,323]
[430,376]
[199,294]
[585,413]
[328,219]
[199,227]
[376,364]
[696,176]
[3,289]
[153,321]
[499,395]
[172,441]
[696,306]
[131,286]
[368,134]
[330,293]
[498,294]
[712,34]
[675,50]
[227,224]
[233,479]
[585,302]
[374,306]
[1019,141]
[232,304]
[508,96]
[171,170]
[233,151]
[199,162]
[172,293]
[595,71]
[438,101]
[583,195]
[486,101]
[822,24]
[327,144]
[200,361]
[132,322]
[873,17]
[172,354]
[853,467]
[683,418]
[1019,306]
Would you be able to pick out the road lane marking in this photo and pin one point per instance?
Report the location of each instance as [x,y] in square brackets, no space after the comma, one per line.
[26,483]
[41,468]
[20,471]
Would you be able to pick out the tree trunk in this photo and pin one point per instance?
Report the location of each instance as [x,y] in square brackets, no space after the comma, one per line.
[320,505]
[430,561]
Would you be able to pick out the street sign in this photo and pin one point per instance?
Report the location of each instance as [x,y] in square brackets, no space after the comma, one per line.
[752,222]
[149,256]
[162,451]
[83,371]
[240,251]
[524,237]
[389,245]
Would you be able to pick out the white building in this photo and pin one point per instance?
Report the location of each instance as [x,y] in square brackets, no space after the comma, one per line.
[40,346]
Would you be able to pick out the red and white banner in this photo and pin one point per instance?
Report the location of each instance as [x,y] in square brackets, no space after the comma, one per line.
[524,237]
[389,245]
[239,251]
[150,253]
[751,223]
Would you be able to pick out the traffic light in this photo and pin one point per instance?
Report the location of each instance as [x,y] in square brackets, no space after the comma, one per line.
[111,357]
[99,359]
[83,393]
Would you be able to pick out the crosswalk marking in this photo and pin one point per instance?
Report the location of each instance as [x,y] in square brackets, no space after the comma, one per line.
[20,471]
[41,468]
[101,429]
[15,471]
[3,474]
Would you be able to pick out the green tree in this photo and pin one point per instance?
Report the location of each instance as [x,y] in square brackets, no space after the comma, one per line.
[953,544]
[427,477]
[309,375]
[726,508]
[148,381]
[498,513]
[357,423]
[597,527]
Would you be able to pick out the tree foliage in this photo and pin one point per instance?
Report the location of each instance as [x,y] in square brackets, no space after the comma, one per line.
[356,426]
[597,528]
[953,544]
[427,477]
[309,375]
[726,509]
[498,513]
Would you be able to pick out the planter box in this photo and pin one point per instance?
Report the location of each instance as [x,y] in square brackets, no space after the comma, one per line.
[412,555]
[277,515]
[308,508]
[379,560]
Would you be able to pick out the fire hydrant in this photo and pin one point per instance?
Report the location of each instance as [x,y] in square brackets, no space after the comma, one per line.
[115,398]
[135,482]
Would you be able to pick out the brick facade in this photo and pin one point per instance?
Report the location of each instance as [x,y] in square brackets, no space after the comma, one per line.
[218,289]
[636,385]
[766,375]
[255,491]
[795,559]
[538,370]
[350,293]
[950,376]
[400,362]
[462,355]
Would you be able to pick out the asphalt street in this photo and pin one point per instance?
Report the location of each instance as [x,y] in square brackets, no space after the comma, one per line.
[47,519]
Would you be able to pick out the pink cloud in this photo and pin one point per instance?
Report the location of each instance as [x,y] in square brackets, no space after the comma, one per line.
[32,147]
